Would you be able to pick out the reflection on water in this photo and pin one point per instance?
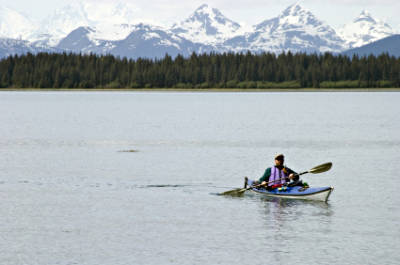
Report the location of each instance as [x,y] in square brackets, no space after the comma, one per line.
[288,224]
[279,208]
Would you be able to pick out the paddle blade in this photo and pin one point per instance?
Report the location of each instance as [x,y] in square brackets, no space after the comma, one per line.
[235,192]
[321,168]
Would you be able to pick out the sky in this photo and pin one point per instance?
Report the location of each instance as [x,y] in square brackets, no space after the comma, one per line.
[247,12]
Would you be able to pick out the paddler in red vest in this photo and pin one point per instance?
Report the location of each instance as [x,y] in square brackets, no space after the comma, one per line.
[278,175]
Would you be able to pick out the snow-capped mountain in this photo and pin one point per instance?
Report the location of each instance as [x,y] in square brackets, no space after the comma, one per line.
[365,29]
[15,25]
[115,27]
[110,18]
[79,41]
[60,23]
[207,25]
[143,41]
[16,46]
[295,29]
[149,41]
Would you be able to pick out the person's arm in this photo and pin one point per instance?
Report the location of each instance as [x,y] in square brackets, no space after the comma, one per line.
[292,174]
[289,171]
[266,175]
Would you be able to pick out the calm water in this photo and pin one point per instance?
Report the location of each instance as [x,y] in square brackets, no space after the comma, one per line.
[69,196]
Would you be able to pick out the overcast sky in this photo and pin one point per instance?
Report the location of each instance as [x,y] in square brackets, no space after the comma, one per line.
[249,12]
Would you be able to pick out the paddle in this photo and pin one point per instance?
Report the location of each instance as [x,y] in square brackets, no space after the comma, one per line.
[318,169]
[315,170]
[240,191]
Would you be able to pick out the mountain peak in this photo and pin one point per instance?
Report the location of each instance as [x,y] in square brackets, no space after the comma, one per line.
[365,13]
[365,29]
[294,10]
[202,7]
[206,24]
[205,9]
[297,15]
[297,29]
[365,16]
[207,12]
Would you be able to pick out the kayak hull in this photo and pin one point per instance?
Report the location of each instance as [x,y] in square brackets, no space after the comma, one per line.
[296,192]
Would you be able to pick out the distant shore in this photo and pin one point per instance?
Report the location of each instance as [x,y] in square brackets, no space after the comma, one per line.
[239,90]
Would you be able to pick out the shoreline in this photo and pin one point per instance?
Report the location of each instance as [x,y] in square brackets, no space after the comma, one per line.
[207,90]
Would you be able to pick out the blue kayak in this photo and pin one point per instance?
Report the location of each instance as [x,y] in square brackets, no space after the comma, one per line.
[296,192]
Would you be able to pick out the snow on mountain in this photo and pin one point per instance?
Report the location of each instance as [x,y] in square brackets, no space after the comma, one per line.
[143,41]
[14,24]
[295,29]
[92,40]
[110,12]
[112,27]
[154,42]
[365,29]
[10,46]
[111,32]
[61,23]
[207,25]
[110,18]
[78,41]
[13,46]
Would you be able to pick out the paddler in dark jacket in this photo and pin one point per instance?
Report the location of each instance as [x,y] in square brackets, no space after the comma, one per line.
[277,175]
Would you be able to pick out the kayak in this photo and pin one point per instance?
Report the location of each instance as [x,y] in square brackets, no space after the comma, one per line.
[296,192]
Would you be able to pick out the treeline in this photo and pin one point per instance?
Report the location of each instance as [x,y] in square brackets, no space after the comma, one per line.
[227,70]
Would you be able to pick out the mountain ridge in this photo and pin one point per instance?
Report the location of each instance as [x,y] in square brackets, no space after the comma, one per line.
[295,29]
[390,45]
[110,28]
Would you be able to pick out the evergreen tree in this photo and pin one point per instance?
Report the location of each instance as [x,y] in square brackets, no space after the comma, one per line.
[247,70]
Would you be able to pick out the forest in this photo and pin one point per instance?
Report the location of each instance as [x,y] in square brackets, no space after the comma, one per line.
[203,71]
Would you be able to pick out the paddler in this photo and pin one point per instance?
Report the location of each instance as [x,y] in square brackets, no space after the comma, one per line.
[278,175]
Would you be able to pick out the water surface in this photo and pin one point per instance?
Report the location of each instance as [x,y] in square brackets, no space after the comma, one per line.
[69,196]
